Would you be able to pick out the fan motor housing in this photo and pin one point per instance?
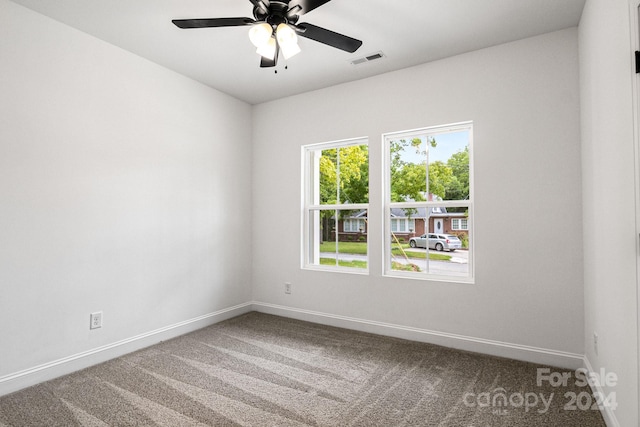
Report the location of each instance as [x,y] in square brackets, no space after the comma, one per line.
[276,15]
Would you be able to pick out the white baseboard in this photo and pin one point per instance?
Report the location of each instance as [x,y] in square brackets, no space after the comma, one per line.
[28,377]
[608,414]
[536,355]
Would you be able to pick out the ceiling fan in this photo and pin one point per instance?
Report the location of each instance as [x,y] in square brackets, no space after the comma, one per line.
[275,28]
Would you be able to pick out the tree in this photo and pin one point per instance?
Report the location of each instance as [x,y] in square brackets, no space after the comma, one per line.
[344,178]
[344,175]
[408,179]
[349,173]
[459,164]
[440,179]
[354,174]
[449,181]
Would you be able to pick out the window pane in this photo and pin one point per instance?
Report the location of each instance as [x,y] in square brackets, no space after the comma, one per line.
[344,175]
[347,225]
[459,224]
[354,225]
[329,176]
[433,247]
[404,255]
[351,245]
[334,247]
[408,174]
[430,167]
[331,242]
[354,174]
[448,155]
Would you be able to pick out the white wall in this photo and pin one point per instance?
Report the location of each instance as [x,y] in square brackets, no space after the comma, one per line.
[123,187]
[523,98]
[608,196]
[122,184]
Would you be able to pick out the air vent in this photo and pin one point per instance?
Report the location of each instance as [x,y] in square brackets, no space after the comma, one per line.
[368,58]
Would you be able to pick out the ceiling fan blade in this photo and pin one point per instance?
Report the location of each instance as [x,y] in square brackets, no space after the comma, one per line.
[212,22]
[307,5]
[328,37]
[266,62]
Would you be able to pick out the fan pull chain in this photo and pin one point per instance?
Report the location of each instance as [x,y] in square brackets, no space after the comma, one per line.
[286,67]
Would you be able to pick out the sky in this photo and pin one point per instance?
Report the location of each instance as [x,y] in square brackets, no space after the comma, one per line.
[447,145]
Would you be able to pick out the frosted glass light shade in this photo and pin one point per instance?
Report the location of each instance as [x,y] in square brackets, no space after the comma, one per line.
[268,49]
[260,34]
[287,40]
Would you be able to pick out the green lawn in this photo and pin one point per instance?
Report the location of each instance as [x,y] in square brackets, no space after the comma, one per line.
[345,247]
[341,263]
[363,264]
[361,249]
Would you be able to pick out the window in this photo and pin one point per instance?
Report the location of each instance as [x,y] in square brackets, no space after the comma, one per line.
[335,205]
[459,224]
[427,185]
[403,225]
[354,225]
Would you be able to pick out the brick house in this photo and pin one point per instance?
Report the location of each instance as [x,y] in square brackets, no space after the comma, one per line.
[405,223]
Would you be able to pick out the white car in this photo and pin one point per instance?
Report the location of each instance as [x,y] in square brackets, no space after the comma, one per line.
[439,242]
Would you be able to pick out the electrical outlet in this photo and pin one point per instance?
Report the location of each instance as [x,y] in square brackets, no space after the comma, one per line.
[287,287]
[595,343]
[95,320]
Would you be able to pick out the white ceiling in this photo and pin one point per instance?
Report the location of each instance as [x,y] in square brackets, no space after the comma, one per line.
[408,32]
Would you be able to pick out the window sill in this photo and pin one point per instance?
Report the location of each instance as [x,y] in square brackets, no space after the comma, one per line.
[331,269]
[430,277]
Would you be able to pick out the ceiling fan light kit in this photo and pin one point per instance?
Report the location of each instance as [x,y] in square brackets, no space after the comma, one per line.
[274,29]
[268,49]
[287,40]
[259,34]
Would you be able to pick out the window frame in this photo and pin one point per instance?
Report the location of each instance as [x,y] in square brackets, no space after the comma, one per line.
[310,206]
[387,205]
[359,221]
[460,226]
[407,223]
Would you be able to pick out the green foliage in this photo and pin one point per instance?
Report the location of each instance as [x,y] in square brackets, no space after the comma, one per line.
[449,181]
[408,180]
[328,177]
[464,238]
[458,188]
[344,175]
[440,178]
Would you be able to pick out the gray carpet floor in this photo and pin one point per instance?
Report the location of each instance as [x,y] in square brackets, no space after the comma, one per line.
[263,370]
